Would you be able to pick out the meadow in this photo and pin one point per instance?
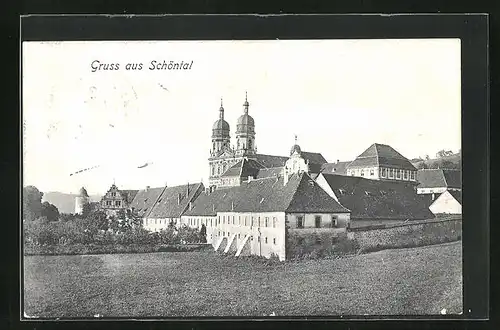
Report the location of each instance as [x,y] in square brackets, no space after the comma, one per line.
[422,280]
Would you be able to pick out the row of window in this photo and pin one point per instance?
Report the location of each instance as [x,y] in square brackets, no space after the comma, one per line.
[159,221]
[388,173]
[239,236]
[117,203]
[240,220]
[317,222]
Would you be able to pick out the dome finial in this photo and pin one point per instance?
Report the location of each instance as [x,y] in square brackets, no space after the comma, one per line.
[246,104]
[221,110]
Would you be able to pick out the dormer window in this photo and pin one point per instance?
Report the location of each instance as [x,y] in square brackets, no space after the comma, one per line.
[383,172]
[372,172]
[362,173]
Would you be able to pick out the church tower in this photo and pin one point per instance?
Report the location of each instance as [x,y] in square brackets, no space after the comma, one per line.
[245,133]
[220,151]
[220,134]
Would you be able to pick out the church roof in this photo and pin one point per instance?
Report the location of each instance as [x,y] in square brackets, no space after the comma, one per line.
[168,205]
[381,155]
[244,168]
[300,194]
[439,178]
[375,199]
[270,161]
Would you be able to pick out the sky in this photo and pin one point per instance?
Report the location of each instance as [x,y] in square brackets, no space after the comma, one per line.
[337,96]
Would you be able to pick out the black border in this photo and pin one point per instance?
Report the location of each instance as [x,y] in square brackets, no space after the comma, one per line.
[472,29]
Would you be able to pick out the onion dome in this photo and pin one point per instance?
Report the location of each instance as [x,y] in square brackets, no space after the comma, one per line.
[245,122]
[220,128]
[83,192]
[295,148]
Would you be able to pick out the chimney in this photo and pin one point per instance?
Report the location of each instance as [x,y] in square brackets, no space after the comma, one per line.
[213,207]
[147,188]
[337,161]
[187,193]
[190,206]
[232,206]
[179,199]
[250,178]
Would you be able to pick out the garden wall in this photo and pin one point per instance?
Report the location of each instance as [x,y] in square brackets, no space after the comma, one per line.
[312,243]
[409,234]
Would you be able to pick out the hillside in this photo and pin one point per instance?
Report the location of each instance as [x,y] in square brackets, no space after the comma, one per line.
[65,203]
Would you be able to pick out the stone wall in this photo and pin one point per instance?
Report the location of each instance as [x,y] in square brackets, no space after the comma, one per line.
[318,242]
[409,234]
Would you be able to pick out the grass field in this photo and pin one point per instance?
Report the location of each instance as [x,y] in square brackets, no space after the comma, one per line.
[421,280]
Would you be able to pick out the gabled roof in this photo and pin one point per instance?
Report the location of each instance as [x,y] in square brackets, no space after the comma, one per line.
[145,199]
[335,168]
[168,205]
[457,195]
[313,157]
[382,155]
[439,178]
[128,195]
[375,199]
[244,168]
[300,194]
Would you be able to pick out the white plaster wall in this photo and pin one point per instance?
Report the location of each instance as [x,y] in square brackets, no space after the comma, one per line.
[445,203]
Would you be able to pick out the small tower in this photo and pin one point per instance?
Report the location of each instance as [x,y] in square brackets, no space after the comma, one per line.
[245,132]
[81,200]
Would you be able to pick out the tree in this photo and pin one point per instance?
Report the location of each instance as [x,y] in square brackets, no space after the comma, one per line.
[50,211]
[99,219]
[88,208]
[421,166]
[444,153]
[32,203]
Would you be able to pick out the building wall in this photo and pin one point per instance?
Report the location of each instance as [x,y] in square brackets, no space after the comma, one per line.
[264,240]
[113,200]
[446,204]
[79,202]
[158,224]
[409,234]
[309,220]
[360,223]
[217,166]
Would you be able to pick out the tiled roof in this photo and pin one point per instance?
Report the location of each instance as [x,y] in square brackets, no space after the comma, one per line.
[375,199]
[271,161]
[279,161]
[335,168]
[439,178]
[313,157]
[244,168]
[381,155]
[300,194]
[457,195]
[168,205]
[128,195]
[145,199]
[269,172]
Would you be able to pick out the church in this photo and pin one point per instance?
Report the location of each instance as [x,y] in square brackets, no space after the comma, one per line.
[229,166]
